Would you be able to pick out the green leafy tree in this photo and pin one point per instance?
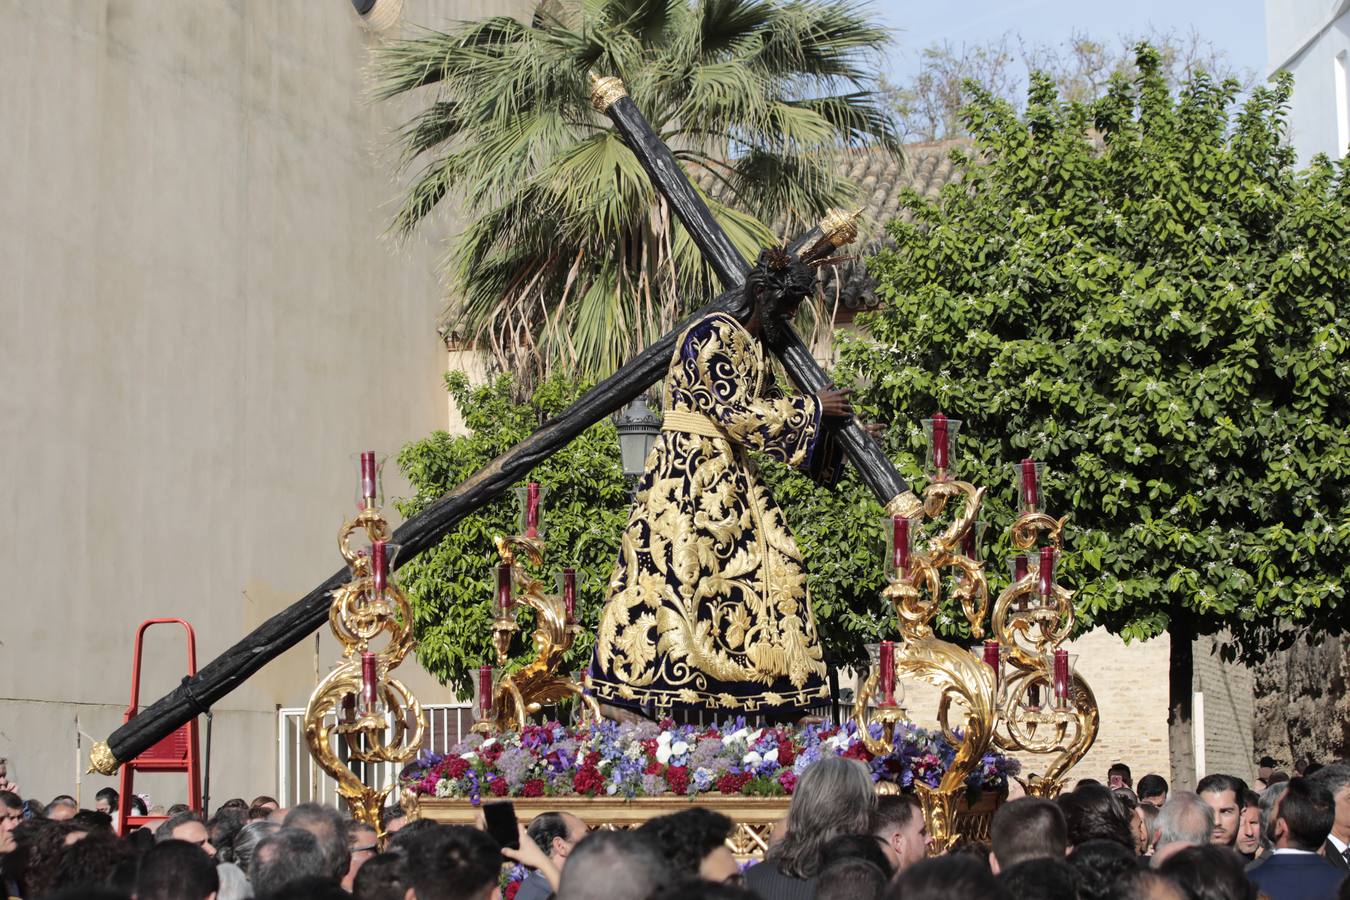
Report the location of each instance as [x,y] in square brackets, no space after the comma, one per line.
[450,586]
[1145,294]
[570,258]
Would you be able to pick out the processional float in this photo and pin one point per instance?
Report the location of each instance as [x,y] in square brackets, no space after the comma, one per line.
[992,702]
[195,695]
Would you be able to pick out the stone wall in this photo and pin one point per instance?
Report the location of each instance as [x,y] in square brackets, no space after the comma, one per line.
[1302,706]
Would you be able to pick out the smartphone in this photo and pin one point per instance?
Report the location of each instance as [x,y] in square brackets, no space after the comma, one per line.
[500,818]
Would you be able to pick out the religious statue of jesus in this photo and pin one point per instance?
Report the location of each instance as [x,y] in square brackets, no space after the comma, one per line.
[708,607]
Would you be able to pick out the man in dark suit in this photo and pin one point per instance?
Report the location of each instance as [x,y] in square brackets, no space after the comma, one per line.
[1294,870]
[1336,779]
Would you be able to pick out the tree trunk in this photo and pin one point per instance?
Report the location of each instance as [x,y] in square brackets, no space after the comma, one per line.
[1180,711]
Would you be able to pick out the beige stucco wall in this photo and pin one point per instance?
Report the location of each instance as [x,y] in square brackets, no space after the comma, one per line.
[201,322]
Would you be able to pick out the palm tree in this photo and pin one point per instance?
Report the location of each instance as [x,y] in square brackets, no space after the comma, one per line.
[571,258]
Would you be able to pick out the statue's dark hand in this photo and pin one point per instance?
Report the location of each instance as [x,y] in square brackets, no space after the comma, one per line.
[835,402]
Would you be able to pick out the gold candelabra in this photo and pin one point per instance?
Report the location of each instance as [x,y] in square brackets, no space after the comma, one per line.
[915,589]
[998,710]
[1044,706]
[524,693]
[358,713]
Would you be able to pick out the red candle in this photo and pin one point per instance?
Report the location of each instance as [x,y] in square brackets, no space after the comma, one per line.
[991,654]
[379,567]
[484,690]
[368,681]
[1019,567]
[969,548]
[1030,489]
[939,441]
[1061,673]
[887,666]
[503,589]
[570,594]
[900,544]
[532,509]
[1047,573]
[368,476]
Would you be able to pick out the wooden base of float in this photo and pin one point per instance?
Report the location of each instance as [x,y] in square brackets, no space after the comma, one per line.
[754,817]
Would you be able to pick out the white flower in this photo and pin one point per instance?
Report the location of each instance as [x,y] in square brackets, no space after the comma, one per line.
[771,756]
[470,756]
[738,735]
[755,735]
[752,758]
[665,738]
[488,743]
[663,753]
[581,758]
[679,748]
[633,751]
[611,788]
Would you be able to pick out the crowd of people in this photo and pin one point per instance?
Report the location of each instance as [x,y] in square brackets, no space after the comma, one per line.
[839,841]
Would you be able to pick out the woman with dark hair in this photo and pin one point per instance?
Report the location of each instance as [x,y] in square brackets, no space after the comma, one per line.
[1210,872]
[834,797]
[1093,813]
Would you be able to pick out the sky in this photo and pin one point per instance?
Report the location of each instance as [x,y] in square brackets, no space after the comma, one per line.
[1235,26]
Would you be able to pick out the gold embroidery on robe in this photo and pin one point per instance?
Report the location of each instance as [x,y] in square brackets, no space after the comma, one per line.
[708,605]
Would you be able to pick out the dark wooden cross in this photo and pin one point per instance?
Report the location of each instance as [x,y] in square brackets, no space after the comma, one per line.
[196,694]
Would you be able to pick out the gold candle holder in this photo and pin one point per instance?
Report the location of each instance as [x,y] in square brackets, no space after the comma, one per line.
[1032,623]
[525,692]
[358,703]
[916,595]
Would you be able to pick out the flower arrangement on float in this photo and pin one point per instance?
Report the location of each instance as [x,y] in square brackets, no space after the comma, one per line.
[653,759]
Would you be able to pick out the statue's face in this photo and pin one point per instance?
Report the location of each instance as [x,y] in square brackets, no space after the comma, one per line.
[776,320]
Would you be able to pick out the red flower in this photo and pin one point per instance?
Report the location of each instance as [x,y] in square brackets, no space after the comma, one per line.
[512,889]
[677,779]
[588,780]
[666,724]
[592,759]
[653,768]
[649,746]
[532,788]
[786,755]
[788,780]
[490,754]
[497,787]
[732,784]
[456,766]
[857,751]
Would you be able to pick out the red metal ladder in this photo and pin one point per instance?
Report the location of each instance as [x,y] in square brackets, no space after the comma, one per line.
[179,752]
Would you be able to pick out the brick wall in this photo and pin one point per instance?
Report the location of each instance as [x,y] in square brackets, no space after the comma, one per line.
[1229,711]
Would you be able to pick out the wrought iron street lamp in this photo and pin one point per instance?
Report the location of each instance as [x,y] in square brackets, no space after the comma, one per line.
[638,427]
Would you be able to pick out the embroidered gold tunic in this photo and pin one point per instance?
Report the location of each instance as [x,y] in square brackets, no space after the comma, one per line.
[708,606]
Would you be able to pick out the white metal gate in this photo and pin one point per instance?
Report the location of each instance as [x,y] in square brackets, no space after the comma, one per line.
[300,780]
